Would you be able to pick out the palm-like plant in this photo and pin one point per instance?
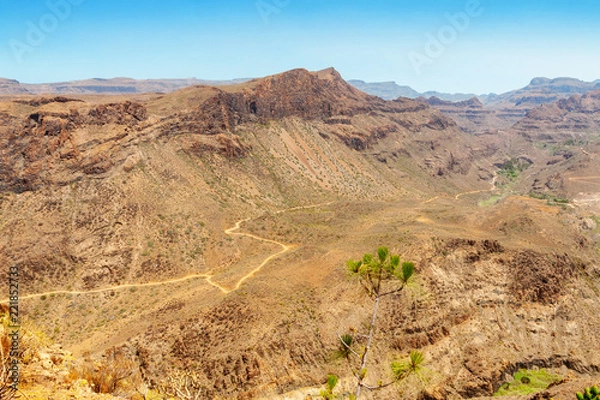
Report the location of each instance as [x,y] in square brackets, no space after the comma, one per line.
[379,275]
[402,369]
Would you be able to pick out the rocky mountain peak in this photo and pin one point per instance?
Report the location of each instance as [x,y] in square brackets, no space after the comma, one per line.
[299,93]
[11,86]
[539,81]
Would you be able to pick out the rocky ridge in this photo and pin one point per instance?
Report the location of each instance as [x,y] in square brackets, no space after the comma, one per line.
[568,119]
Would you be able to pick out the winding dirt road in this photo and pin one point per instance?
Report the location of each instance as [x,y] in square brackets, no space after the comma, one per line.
[458,196]
[230,231]
[493,183]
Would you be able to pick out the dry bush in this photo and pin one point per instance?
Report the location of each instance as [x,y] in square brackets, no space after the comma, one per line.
[183,386]
[115,371]
[7,391]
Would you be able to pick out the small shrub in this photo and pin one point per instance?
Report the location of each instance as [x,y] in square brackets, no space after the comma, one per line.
[591,393]
[110,374]
[512,168]
[327,393]
[528,382]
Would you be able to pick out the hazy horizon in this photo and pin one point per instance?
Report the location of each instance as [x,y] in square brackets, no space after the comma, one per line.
[241,78]
[450,46]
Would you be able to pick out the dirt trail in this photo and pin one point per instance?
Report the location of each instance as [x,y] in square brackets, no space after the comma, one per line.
[458,196]
[586,179]
[583,178]
[230,231]
[493,183]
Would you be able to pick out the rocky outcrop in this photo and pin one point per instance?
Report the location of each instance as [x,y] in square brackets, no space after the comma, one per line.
[297,93]
[11,87]
[572,118]
[127,113]
[44,148]
[56,144]
[472,116]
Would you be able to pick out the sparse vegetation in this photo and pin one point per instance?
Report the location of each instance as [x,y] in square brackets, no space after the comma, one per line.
[512,168]
[550,198]
[7,390]
[527,382]
[491,201]
[173,214]
[327,393]
[591,393]
[109,374]
[31,341]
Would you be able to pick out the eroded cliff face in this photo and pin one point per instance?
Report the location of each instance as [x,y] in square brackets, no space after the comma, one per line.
[472,116]
[322,96]
[573,118]
[41,146]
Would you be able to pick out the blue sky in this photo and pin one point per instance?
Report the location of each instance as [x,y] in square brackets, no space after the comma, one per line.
[493,45]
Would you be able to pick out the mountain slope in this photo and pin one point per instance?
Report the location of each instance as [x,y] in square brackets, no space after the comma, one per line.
[472,116]
[566,137]
[291,139]
[11,87]
[61,140]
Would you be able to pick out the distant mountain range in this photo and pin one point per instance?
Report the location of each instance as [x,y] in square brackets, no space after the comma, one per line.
[107,86]
[539,91]
[479,113]
[391,91]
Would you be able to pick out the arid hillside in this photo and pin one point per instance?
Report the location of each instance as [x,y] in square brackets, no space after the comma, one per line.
[206,232]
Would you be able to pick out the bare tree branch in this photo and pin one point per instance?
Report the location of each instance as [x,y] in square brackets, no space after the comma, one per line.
[348,347]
